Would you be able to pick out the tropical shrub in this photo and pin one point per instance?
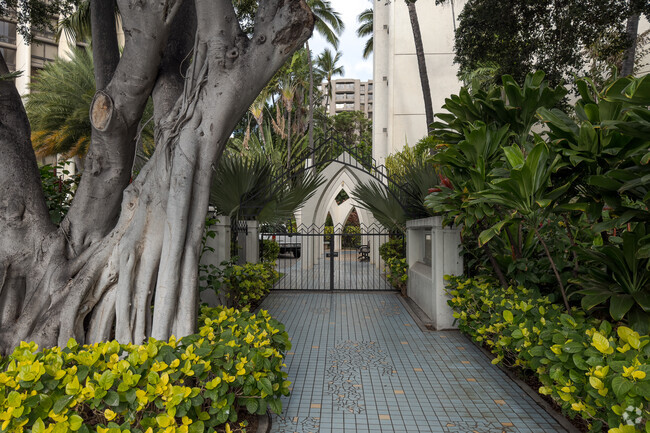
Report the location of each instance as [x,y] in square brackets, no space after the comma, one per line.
[393,248]
[193,384]
[270,250]
[59,186]
[241,285]
[351,236]
[590,367]
[559,203]
[393,254]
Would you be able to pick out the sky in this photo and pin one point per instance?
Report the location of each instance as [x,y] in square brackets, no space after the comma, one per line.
[349,43]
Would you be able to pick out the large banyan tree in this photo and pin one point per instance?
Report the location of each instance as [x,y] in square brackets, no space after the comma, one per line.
[125,247]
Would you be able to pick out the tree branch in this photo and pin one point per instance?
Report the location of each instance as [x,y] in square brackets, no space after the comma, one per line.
[106,53]
[175,61]
[115,114]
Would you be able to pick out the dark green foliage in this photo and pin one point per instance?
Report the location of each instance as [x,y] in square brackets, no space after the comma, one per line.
[244,187]
[617,278]
[59,187]
[270,251]
[550,211]
[36,15]
[240,285]
[527,35]
[394,256]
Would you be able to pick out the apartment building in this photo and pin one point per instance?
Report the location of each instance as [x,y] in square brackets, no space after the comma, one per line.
[349,95]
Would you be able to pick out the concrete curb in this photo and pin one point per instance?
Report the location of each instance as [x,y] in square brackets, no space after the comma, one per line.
[264,423]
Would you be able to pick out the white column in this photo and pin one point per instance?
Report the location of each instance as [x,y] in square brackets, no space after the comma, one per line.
[445,260]
[24,64]
[252,242]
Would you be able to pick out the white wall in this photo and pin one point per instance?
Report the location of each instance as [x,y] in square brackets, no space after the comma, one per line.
[399,115]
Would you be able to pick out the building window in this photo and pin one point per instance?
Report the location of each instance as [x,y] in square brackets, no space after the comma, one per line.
[9,55]
[362,107]
[369,87]
[340,106]
[43,52]
[8,32]
[363,87]
[362,98]
[370,97]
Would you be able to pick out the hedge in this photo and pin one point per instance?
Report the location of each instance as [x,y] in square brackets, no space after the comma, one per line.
[588,366]
[190,385]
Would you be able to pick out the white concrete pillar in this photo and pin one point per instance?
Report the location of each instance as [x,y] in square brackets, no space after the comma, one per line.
[252,242]
[24,64]
[426,284]
[445,260]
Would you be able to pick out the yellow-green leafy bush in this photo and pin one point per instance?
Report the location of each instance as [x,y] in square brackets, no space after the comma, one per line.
[190,385]
[586,365]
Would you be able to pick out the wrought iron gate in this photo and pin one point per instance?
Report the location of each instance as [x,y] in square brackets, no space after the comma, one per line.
[330,258]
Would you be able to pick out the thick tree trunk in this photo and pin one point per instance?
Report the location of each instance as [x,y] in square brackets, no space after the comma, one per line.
[631,31]
[311,100]
[124,247]
[422,64]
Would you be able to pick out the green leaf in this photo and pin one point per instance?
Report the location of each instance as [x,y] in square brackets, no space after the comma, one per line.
[112,398]
[61,403]
[265,385]
[619,305]
[196,427]
[276,406]
[507,315]
[252,405]
[75,422]
[493,231]
[573,347]
[621,387]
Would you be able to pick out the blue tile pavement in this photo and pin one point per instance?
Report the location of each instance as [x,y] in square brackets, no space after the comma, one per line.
[360,364]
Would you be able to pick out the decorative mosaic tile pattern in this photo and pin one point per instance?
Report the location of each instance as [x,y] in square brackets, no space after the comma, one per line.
[352,373]
[295,425]
[347,360]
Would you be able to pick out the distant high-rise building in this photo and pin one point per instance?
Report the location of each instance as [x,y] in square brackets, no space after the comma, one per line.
[349,95]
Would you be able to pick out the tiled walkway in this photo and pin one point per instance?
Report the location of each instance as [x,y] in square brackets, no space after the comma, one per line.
[360,364]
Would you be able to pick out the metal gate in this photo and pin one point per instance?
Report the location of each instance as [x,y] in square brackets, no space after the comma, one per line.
[329,257]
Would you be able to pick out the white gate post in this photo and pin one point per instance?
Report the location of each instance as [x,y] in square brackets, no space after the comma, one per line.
[252,242]
[432,253]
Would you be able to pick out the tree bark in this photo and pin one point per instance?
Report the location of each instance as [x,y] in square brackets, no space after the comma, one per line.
[631,32]
[311,100]
[104,37]
[422,64]
[143,248]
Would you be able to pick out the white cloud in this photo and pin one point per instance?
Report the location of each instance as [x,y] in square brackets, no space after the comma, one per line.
[350,44]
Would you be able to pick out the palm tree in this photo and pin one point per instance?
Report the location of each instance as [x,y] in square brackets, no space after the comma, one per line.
[326,66]
[365,29]
[422,65]
[330,25]
[58,106]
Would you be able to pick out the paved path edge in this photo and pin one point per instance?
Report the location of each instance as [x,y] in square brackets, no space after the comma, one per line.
[424,323]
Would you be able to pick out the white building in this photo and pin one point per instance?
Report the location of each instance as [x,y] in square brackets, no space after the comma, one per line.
[349,94]
[399,115]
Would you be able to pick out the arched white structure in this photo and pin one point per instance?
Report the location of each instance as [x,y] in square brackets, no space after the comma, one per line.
[339,176]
